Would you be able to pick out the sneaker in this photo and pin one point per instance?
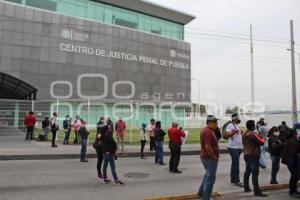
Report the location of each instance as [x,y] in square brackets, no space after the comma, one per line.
[162,163]
[106,181]
[99,177]
[246,190]
[260,194]
[177,172]
[84,160]
[54,146]
[273,182]
[118,182]
[239,184]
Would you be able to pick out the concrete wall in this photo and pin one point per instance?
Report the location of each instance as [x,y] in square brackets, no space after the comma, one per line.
[33,47]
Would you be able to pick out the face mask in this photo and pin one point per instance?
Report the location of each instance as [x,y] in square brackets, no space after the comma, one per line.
[276,133]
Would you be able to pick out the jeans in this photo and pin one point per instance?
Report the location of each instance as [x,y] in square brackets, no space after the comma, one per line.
[99,163]
[143,143]
[293,168]
[275,167]
[83,149]
[53,137]
[252,167]
[46,131]
[67,135]
[209,178]
[120,141]
[152,143]
[29,133]
[235,165]
[109,158]
[263,159]
[159,151]
[175,157]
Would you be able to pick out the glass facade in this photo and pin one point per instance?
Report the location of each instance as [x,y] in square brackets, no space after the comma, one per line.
[110,15]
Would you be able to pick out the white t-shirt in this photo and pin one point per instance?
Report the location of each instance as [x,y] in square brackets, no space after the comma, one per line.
[235,142]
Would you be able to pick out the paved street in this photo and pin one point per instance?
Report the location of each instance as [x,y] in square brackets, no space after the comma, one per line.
[70,179]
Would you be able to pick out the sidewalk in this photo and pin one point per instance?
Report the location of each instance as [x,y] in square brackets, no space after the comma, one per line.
[13,147]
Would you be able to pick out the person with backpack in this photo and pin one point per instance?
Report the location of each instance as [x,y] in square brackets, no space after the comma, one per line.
[54,129]
[120,128]
[67,128]
[29,121]
[275,145]
[109,149]
[77,125]
[143,139]
[252,142]
[159,135]
[175,135]
[83,132]
[263,131]
[235,147]
[46,128]
[290,157]
[98,148]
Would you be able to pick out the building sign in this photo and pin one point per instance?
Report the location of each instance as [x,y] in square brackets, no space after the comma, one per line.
[114,54]
[74,48]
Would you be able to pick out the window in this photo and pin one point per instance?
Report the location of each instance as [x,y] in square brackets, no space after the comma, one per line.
[15,1]
[45,4]
[93,9]
[125,23]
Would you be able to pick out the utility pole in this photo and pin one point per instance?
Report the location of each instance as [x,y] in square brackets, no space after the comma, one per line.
[252,69]
[294,95]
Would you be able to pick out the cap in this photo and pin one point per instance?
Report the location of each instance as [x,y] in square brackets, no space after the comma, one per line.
[211,118]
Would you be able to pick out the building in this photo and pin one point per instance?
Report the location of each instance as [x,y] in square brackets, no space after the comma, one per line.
[100,50]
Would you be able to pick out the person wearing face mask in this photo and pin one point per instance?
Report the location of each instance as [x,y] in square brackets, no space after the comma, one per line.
[275,145]
[263,131]
[235,147]
[252,142]
[209,155]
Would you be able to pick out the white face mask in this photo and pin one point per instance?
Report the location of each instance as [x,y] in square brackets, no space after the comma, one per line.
[276,133]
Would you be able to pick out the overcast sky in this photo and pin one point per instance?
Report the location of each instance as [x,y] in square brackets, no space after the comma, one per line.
[222,66]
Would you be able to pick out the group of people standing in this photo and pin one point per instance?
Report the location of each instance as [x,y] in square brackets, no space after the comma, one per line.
[282,145]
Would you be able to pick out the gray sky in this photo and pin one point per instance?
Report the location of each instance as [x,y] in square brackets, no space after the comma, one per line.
[223,65]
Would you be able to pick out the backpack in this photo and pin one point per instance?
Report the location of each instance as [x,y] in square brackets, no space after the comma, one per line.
[66,124]
[224,127]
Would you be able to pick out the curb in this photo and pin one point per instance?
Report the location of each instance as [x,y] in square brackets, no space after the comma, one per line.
[216,194]
[181,197]
[76,156]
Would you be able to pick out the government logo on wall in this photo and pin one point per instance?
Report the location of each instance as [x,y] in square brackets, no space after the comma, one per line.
[74,35]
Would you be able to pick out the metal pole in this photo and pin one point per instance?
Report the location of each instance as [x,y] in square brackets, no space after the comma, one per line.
[294,95]
[252,69]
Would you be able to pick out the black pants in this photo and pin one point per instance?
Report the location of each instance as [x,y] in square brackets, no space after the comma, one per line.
[152,143]
[143,143]
[99,162]
[292,166]
[29,133]
[77,138]
[252,167]
[175,157]
[53,137]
